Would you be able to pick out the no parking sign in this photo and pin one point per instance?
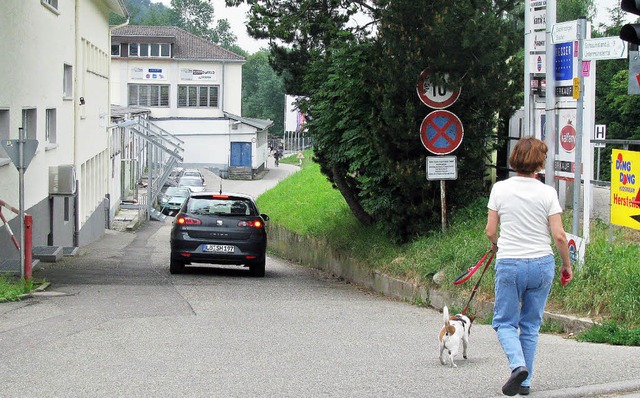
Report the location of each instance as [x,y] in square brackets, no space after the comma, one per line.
[576,249]
[441,132]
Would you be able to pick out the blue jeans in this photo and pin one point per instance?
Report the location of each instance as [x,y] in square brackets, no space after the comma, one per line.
[522,286]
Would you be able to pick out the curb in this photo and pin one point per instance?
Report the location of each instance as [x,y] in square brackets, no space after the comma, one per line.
[39,289]
[319,255]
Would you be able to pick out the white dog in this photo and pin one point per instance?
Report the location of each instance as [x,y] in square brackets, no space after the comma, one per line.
[456,330]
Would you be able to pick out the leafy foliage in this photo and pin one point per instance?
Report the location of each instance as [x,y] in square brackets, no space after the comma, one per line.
[194,16]
[364,112]
[262,91]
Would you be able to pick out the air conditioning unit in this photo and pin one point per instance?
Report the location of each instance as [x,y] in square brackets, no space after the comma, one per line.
[62,180]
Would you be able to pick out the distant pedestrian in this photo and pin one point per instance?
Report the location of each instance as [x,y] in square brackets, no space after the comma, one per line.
[300,157]
[277,155]
[526,209]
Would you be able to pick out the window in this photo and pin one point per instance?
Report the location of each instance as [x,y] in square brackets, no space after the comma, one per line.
[67,212]
[50,4]
[29,123]
[50,126]
[67,82]
[4,129]
[198,96]
[150,50]
[148,95]
[115,50]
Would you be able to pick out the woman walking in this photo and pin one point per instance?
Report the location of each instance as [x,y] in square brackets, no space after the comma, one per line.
[526,211]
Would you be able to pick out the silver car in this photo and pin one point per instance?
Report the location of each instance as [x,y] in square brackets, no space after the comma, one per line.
[195,184]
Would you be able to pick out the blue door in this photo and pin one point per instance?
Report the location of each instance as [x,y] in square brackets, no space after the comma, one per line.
[240,154]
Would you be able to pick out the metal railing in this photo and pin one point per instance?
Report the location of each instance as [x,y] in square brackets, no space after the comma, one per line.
[156,153]
[26,252]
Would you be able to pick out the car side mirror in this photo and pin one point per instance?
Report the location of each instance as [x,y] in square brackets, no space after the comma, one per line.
[264,217]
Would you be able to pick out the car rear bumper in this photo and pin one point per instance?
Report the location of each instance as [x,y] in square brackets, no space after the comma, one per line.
[193,252]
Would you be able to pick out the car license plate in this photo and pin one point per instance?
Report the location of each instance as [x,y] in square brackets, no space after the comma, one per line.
[218,248]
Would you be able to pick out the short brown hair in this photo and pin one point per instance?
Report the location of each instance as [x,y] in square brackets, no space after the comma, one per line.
[528,156]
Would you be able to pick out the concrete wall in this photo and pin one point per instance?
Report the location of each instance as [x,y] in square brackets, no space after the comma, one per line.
[207,142]
[38,43]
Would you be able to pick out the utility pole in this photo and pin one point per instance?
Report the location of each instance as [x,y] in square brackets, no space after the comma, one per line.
[550,99]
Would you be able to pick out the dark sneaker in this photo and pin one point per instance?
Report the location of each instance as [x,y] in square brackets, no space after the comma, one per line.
[524,390]
[512,386]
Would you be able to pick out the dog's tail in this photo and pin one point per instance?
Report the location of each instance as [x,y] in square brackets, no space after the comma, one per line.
[449,329]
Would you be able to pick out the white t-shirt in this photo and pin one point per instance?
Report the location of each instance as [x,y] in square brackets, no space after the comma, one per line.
[524,205]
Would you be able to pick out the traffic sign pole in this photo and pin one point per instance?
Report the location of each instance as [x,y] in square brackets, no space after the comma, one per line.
[21,195]
[550,98]
[577,181]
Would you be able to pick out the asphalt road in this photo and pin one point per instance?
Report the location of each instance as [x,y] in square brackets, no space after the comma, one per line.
[115,323]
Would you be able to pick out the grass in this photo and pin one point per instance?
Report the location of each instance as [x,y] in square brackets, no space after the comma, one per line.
[11,288]
[607,288]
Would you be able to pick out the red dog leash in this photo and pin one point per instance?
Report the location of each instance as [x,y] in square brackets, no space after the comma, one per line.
[470,272]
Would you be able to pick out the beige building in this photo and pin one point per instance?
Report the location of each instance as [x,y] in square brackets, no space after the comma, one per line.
[193,89]
[54,85]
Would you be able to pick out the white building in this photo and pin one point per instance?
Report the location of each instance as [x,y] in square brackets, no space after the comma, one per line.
[54,84]
[194,91]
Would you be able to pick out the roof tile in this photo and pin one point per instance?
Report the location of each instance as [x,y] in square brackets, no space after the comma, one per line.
[187,45]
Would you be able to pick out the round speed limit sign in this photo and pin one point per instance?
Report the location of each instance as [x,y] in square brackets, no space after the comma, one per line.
[433,95]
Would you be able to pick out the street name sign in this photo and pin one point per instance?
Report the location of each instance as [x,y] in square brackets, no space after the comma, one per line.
[604,48]
[564,31]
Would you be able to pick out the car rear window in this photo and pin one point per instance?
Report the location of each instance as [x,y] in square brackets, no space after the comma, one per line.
[175,191]
[190,181]
[221,206]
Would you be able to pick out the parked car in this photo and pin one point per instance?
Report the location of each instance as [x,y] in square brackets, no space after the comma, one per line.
[172,199]
[173,178]
[195,184]
[219,229]
[192,173]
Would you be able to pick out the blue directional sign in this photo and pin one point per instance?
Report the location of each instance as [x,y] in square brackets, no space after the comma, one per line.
[564,61]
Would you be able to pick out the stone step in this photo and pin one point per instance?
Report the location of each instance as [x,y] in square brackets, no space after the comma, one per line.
[47,254]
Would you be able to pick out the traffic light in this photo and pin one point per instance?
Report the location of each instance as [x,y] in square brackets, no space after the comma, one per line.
[631,31]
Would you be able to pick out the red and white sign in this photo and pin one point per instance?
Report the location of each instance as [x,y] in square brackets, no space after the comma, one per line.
[568,137]
[433,95]
[441,132]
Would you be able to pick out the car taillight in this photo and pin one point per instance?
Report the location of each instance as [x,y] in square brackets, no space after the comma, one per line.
[251,223]
[182,220]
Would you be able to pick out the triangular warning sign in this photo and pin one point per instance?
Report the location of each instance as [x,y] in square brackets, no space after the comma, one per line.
[12,148]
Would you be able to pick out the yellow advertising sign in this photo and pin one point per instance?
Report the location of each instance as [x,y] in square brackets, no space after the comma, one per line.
[576,88]
[625,188]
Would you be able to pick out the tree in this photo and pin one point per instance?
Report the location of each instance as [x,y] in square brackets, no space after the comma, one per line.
[223,35]
[143,12]
[262,91]
[364,112]
[194,16]
[569,10]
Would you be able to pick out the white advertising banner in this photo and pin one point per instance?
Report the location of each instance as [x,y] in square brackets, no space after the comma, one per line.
[198,74]
[148,73]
